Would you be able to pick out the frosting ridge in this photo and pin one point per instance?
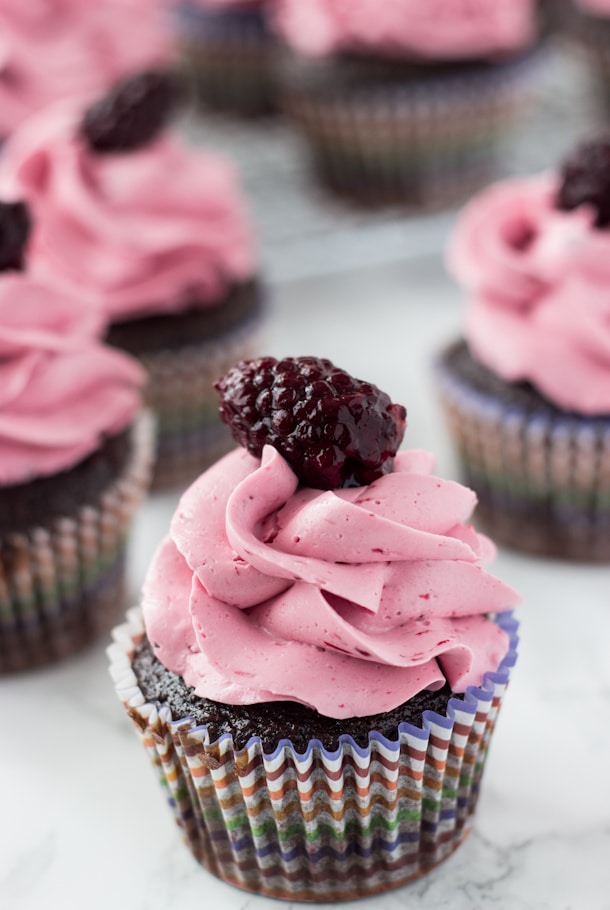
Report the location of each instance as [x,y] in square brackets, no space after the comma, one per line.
[264,591]
[536,279]
[61,390]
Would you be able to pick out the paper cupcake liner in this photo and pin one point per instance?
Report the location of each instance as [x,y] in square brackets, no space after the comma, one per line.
[230,55]
[426,142]
[190,434]
[319,826]
[543,480]
[60,587]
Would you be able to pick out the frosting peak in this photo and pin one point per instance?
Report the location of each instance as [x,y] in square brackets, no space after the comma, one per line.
[61,391]
[113,227]
[349,601]
[434,29]
[537,280]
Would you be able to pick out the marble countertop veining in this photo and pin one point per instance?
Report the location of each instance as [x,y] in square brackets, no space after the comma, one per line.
[83,823]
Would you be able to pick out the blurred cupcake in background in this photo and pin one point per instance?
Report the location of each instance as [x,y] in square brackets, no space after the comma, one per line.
[527,393]
[229,51]
[54,49]
[154,235]
[404,101]
[75,454]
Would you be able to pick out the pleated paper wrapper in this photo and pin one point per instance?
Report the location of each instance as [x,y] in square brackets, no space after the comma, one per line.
[542,478]
[62,586]
[319,826]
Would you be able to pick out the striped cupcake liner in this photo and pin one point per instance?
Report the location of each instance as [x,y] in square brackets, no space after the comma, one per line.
[62,586]
[542,478]
[319,826]
[426,142]
[180,391]
[230,56]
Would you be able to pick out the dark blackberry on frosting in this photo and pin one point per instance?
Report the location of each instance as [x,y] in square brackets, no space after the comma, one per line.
[334,430]
[585,179]
[15,227]
[133,114]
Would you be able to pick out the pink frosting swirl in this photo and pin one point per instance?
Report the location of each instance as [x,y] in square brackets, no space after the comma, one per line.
[537,280]
[61,390]
[350,601]
[115,228]
[433,29]
[52,49]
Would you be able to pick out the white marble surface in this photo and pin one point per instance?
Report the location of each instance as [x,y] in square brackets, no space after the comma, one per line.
[83,823]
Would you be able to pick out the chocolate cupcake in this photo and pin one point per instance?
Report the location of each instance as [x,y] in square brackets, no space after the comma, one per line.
[74,463]
[229,51]
[406,102]
[320,657]
[527,395]
[154,235]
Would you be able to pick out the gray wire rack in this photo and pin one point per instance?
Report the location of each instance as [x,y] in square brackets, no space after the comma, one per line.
[302,232]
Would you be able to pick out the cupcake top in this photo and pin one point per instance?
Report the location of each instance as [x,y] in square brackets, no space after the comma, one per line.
[434,29]
[61,391]
[128,216]
[53,49]
[348,599]
[534,257]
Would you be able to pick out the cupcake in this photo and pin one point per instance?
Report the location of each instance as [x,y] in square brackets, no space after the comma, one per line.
[527,393]
[404,101]
[229,50]
[54,49]
[153,234]
[320,655]
[74,460]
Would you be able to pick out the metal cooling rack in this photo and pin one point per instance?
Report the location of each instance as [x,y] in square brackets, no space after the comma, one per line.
[304,233]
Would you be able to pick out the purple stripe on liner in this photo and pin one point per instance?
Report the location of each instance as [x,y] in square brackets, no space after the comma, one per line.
[407,837]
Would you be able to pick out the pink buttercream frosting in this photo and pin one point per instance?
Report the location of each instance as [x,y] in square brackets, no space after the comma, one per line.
[61,391]
[432,29]
[537,282]
[52,49]
[349,601]
[149,231]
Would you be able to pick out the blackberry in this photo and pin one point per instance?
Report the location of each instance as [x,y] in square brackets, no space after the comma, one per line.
[132,114]
[15,226]
[586,179]
[333,430]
